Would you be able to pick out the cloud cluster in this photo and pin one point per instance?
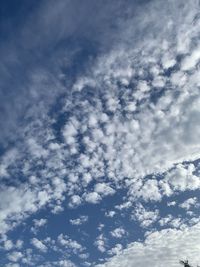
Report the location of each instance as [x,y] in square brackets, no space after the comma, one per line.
[83,219]
[130,123]
[135,114]
[160,249]
[38,244]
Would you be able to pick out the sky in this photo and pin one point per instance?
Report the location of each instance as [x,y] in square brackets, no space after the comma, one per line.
[99,133]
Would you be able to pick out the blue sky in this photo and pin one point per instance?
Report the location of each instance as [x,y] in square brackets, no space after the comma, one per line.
[99,140]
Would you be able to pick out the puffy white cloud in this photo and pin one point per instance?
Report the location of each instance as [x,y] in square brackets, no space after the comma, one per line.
[8,244]
[75,201]
[92,197]
[38,244]
[150,136]
[70,131]
[148,191]
[39,222]
[124,205]
[36,149]
[164,221]
[104,189]
[140,122]
[178,179]
[12,265]
[171,204]
[79,221]
[177,223]
[15,256]
[110,213]
[57,209]
[15,202]
[115,250]
[19,244]
[187,204]
[118,232]
[191,60]
[100,243]
[183,178]
[66,263]
[7,159]
[101,226]
[168,61]
[164,248]
[144,216]
[69,244]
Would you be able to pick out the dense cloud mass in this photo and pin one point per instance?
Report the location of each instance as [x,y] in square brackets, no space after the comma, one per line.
[102,165]
[160,249]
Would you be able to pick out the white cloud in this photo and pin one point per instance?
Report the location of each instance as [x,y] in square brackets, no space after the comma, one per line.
[177,223]
[168,62]
[164,221]
[8,244]
[12,265]
[144,216]
[115,250]
[190,202]
[39,222]
[79,221]
[143,86]
[101,226]
[38,244]
[183,178]
[171,204]
[15,202]
[110,213]
[118,232]
[100,243]
[66,263]
[148,191]
[75,201]
[125,205]
[160,249]
[8,159]
[104,189]
[191,60]
[15,256]
[57,209]
[92,197]
[19,244]
[151,140]
[70,132]
[69,244]
[141,122]
[36,149]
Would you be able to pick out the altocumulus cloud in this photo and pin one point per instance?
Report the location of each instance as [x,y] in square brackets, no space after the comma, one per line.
[117,136]
[160,249]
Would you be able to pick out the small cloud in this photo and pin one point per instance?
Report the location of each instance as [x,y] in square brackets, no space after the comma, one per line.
[92,197]
[115,250]
[110,213]
[118,232]
[190,202]
[15,256]
[74,201]
[79,221]
[39,245]
[100,243]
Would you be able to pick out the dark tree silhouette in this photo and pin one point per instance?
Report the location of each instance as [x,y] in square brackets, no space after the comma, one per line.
[186,264]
